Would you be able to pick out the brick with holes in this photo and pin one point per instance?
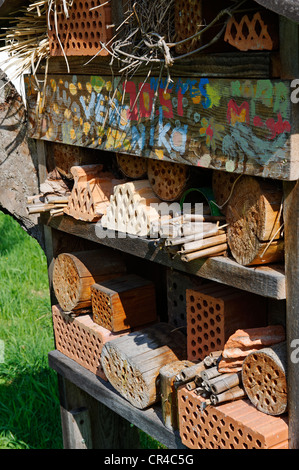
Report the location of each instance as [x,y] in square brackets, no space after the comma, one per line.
[234,425]
[83,31]
[80,339]
[122,303]
[214,312]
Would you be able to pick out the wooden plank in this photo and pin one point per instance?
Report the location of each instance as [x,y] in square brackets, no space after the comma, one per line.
[253,65]
[150,420]
[241,126]
[108,430]
[268,281]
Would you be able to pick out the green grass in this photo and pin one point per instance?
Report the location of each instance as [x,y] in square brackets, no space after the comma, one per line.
[29,404]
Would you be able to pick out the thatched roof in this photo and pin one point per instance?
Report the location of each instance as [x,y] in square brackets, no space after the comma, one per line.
[287,8]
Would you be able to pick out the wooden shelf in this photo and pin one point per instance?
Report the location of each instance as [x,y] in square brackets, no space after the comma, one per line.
[148,420]
[267,281]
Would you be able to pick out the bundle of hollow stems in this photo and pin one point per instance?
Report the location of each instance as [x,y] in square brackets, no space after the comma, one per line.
[26,39]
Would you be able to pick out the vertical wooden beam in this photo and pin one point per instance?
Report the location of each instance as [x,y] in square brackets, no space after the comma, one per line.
[291,220]
[289,59]
[98,428]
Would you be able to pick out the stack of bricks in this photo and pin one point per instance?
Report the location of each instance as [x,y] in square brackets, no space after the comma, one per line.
[233,425]
[214,312]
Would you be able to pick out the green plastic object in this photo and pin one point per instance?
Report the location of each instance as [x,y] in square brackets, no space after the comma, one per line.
[208,194]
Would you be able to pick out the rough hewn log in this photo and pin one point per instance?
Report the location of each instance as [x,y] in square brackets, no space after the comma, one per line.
[254,218]
[132,363]
[75,273]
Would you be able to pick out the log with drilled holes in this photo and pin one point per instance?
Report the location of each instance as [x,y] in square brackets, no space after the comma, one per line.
[168,180]
[132,363]
[222,185]
[124,302]
[132,166]
[91,192]
[264,376]
[75,273]
[254,218]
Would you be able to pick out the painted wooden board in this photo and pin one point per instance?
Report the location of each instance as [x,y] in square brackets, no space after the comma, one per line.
[235,125]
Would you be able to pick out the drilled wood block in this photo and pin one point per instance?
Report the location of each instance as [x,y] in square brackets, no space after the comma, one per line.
[83,31]
[235,425]
[214,312]
[124,302]
[132,363]
[81,339]
[132,166]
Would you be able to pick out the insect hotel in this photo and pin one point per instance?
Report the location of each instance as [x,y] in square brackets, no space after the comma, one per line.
[166,142]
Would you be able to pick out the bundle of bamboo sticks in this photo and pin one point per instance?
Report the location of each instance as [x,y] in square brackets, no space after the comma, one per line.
[194,236]
[205,379]
[50,203]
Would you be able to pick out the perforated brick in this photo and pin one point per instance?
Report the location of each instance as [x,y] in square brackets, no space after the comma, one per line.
[188,21]
[81,339]
[177,284]
[84,30]
[233,425]
[214,312]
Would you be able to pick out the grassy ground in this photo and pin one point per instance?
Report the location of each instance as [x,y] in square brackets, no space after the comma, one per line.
[29,405]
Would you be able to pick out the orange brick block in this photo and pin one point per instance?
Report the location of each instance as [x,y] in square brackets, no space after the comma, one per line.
[215,312]
[81,339]
[234,425]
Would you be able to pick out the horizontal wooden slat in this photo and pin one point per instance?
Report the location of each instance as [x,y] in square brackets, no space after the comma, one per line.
[222,65]
[236,125]
[267,281]
[150,420]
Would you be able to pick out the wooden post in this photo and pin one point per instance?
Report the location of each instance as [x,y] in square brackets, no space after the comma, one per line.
[291,220]
[289,53]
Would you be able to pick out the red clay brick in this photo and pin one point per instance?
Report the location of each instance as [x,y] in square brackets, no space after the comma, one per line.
[81,339]
[234,425]
[215,312]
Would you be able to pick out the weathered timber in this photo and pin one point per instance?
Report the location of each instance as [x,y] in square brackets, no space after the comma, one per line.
[211,124]
[75,273]
[168,387]
[264,376]
[123,303]
[254,217]
[132,363]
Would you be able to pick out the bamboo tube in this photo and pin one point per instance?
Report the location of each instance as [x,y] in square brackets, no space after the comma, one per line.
[201,244]
[228,395]
[212,251]
[190,372]
[203,218]
[192,238]
[210,373]
[225,382]
[191,385]
[212,358]
[39,208]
